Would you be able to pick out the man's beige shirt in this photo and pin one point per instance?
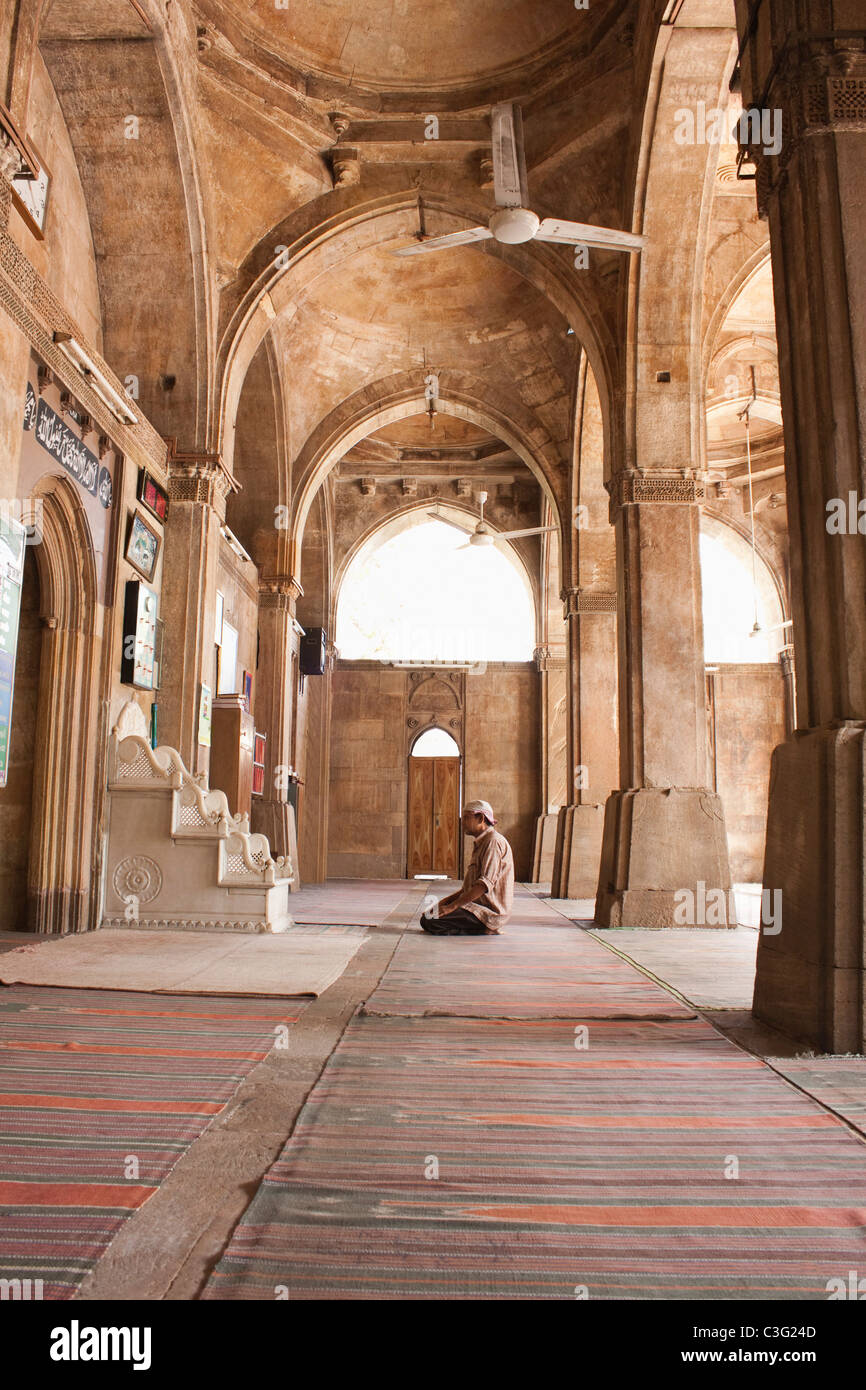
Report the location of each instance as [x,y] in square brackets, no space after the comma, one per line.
[492,864]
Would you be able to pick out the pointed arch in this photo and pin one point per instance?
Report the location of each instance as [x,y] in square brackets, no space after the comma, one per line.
[67,775]
[312,241]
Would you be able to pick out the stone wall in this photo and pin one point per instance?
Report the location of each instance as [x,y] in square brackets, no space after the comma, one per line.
[237,581]
[370,741]
[749,723]
[502,763]
[369,780]
[66,257]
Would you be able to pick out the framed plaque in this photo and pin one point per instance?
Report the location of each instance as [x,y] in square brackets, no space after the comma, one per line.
[142,546]
[152,496]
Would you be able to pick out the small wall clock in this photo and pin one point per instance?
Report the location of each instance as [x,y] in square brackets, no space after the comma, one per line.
[30,197]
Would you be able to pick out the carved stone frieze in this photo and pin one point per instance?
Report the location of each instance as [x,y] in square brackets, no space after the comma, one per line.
[635,488]
[576,602]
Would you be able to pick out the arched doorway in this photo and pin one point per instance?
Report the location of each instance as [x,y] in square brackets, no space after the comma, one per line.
[434,805]
[16,797]
[53,799]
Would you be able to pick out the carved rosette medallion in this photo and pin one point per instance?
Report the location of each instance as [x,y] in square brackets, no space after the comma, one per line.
[137,877]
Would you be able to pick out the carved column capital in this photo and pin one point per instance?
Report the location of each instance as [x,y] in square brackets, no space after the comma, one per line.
[541,657]
[819,86]
[202,478]
[577,602]
[281,592]
[549,659]
[786,661]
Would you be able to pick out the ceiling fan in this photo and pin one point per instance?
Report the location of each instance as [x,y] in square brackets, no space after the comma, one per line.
[513,222]
[482,534]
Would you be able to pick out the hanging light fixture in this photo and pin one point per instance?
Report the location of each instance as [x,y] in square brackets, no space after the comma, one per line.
[431,392]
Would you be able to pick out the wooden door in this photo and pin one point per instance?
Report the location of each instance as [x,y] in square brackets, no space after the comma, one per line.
[434,807]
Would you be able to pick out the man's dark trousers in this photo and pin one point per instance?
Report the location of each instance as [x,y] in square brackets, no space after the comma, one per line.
[460,922]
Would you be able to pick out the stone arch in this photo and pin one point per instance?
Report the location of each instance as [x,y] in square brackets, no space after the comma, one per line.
[68,771]
[433,693]
[385,402]
[747,272]
[312,238]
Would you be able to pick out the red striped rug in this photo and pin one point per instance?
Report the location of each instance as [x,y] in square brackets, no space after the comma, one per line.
[494,1159]
[101,1092]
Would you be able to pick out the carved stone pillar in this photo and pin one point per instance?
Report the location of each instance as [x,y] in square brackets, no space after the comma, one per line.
[665,830]
[810,979]
[590,617]
[198,487]
[279,638]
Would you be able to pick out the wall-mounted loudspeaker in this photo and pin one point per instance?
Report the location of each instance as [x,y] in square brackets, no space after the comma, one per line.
[312,653]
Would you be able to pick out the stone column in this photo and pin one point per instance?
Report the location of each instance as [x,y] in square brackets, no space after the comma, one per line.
[279,639]
[810,979]
[198,487]
[590,617]
[14,356]
[551,666]
[786,662]
[314,757]
[665,830]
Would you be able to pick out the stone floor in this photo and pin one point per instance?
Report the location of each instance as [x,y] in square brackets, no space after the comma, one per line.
[170,1246]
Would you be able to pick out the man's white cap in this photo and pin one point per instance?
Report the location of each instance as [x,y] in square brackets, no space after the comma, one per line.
[482,808]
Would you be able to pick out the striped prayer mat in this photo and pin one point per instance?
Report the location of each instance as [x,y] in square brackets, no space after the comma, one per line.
[100,1095]
[838,1082]
[359,902]
[531,970]
[494,1159]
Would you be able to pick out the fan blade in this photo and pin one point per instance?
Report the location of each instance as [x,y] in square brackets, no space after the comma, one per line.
[464,530]
[581,234]
[532,531]
[510,187]
[442,243]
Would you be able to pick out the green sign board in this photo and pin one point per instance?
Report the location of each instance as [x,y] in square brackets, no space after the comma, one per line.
[12,541]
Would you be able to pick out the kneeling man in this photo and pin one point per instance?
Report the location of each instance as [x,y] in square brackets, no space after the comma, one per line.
[483,905]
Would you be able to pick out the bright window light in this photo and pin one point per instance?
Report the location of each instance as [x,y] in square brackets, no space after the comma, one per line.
[422,595]
[435,743]
[729,603]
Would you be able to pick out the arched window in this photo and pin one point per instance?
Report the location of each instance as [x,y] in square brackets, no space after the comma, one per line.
[435,743]
[729,599]
[416,591]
